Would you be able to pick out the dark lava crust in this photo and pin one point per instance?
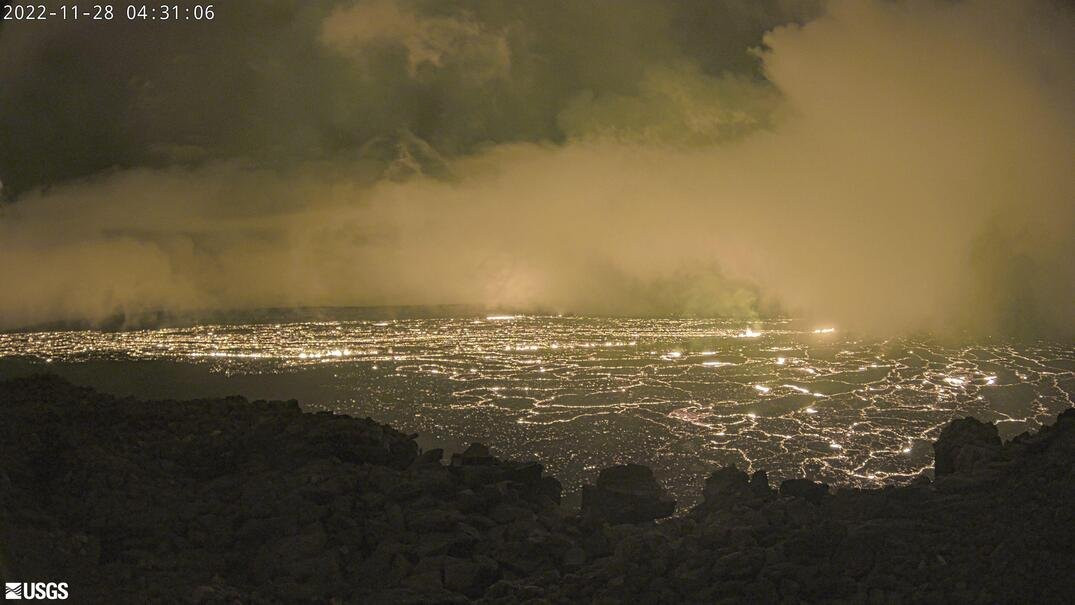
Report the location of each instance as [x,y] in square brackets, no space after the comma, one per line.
[230,501]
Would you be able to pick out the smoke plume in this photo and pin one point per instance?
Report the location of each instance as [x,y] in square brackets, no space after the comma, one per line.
[887,166]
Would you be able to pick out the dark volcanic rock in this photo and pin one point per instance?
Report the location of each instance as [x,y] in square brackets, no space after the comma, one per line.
[627,493]
[476,454]
[725,488]
[811,491]
[965,445]
[230,501]
[759,483]
[431,457]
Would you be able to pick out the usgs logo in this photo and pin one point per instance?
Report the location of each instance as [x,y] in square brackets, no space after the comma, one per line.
[47,591]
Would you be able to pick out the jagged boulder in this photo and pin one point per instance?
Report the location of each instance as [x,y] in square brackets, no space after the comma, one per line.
[431,457]
[1058,439]
[477,454]
[626,493]
[531,476]
[724,488]
[811,491]
[965,445]
[759,484]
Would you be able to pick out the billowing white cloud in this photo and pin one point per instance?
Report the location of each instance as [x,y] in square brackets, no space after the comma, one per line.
[910,169]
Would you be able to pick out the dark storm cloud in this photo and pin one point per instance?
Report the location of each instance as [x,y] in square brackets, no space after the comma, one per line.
[286,81]
[884,165]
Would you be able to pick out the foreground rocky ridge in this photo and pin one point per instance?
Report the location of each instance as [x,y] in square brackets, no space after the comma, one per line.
[223,501]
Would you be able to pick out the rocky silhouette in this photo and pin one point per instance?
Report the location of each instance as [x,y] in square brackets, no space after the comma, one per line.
[627,493]
[232,501]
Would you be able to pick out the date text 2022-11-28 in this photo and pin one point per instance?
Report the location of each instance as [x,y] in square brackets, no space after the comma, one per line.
[108,12]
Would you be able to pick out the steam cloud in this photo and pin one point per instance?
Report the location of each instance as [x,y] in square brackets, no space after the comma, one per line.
[887,166]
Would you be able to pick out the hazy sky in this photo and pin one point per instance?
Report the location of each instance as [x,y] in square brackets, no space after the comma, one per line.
[884,165]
